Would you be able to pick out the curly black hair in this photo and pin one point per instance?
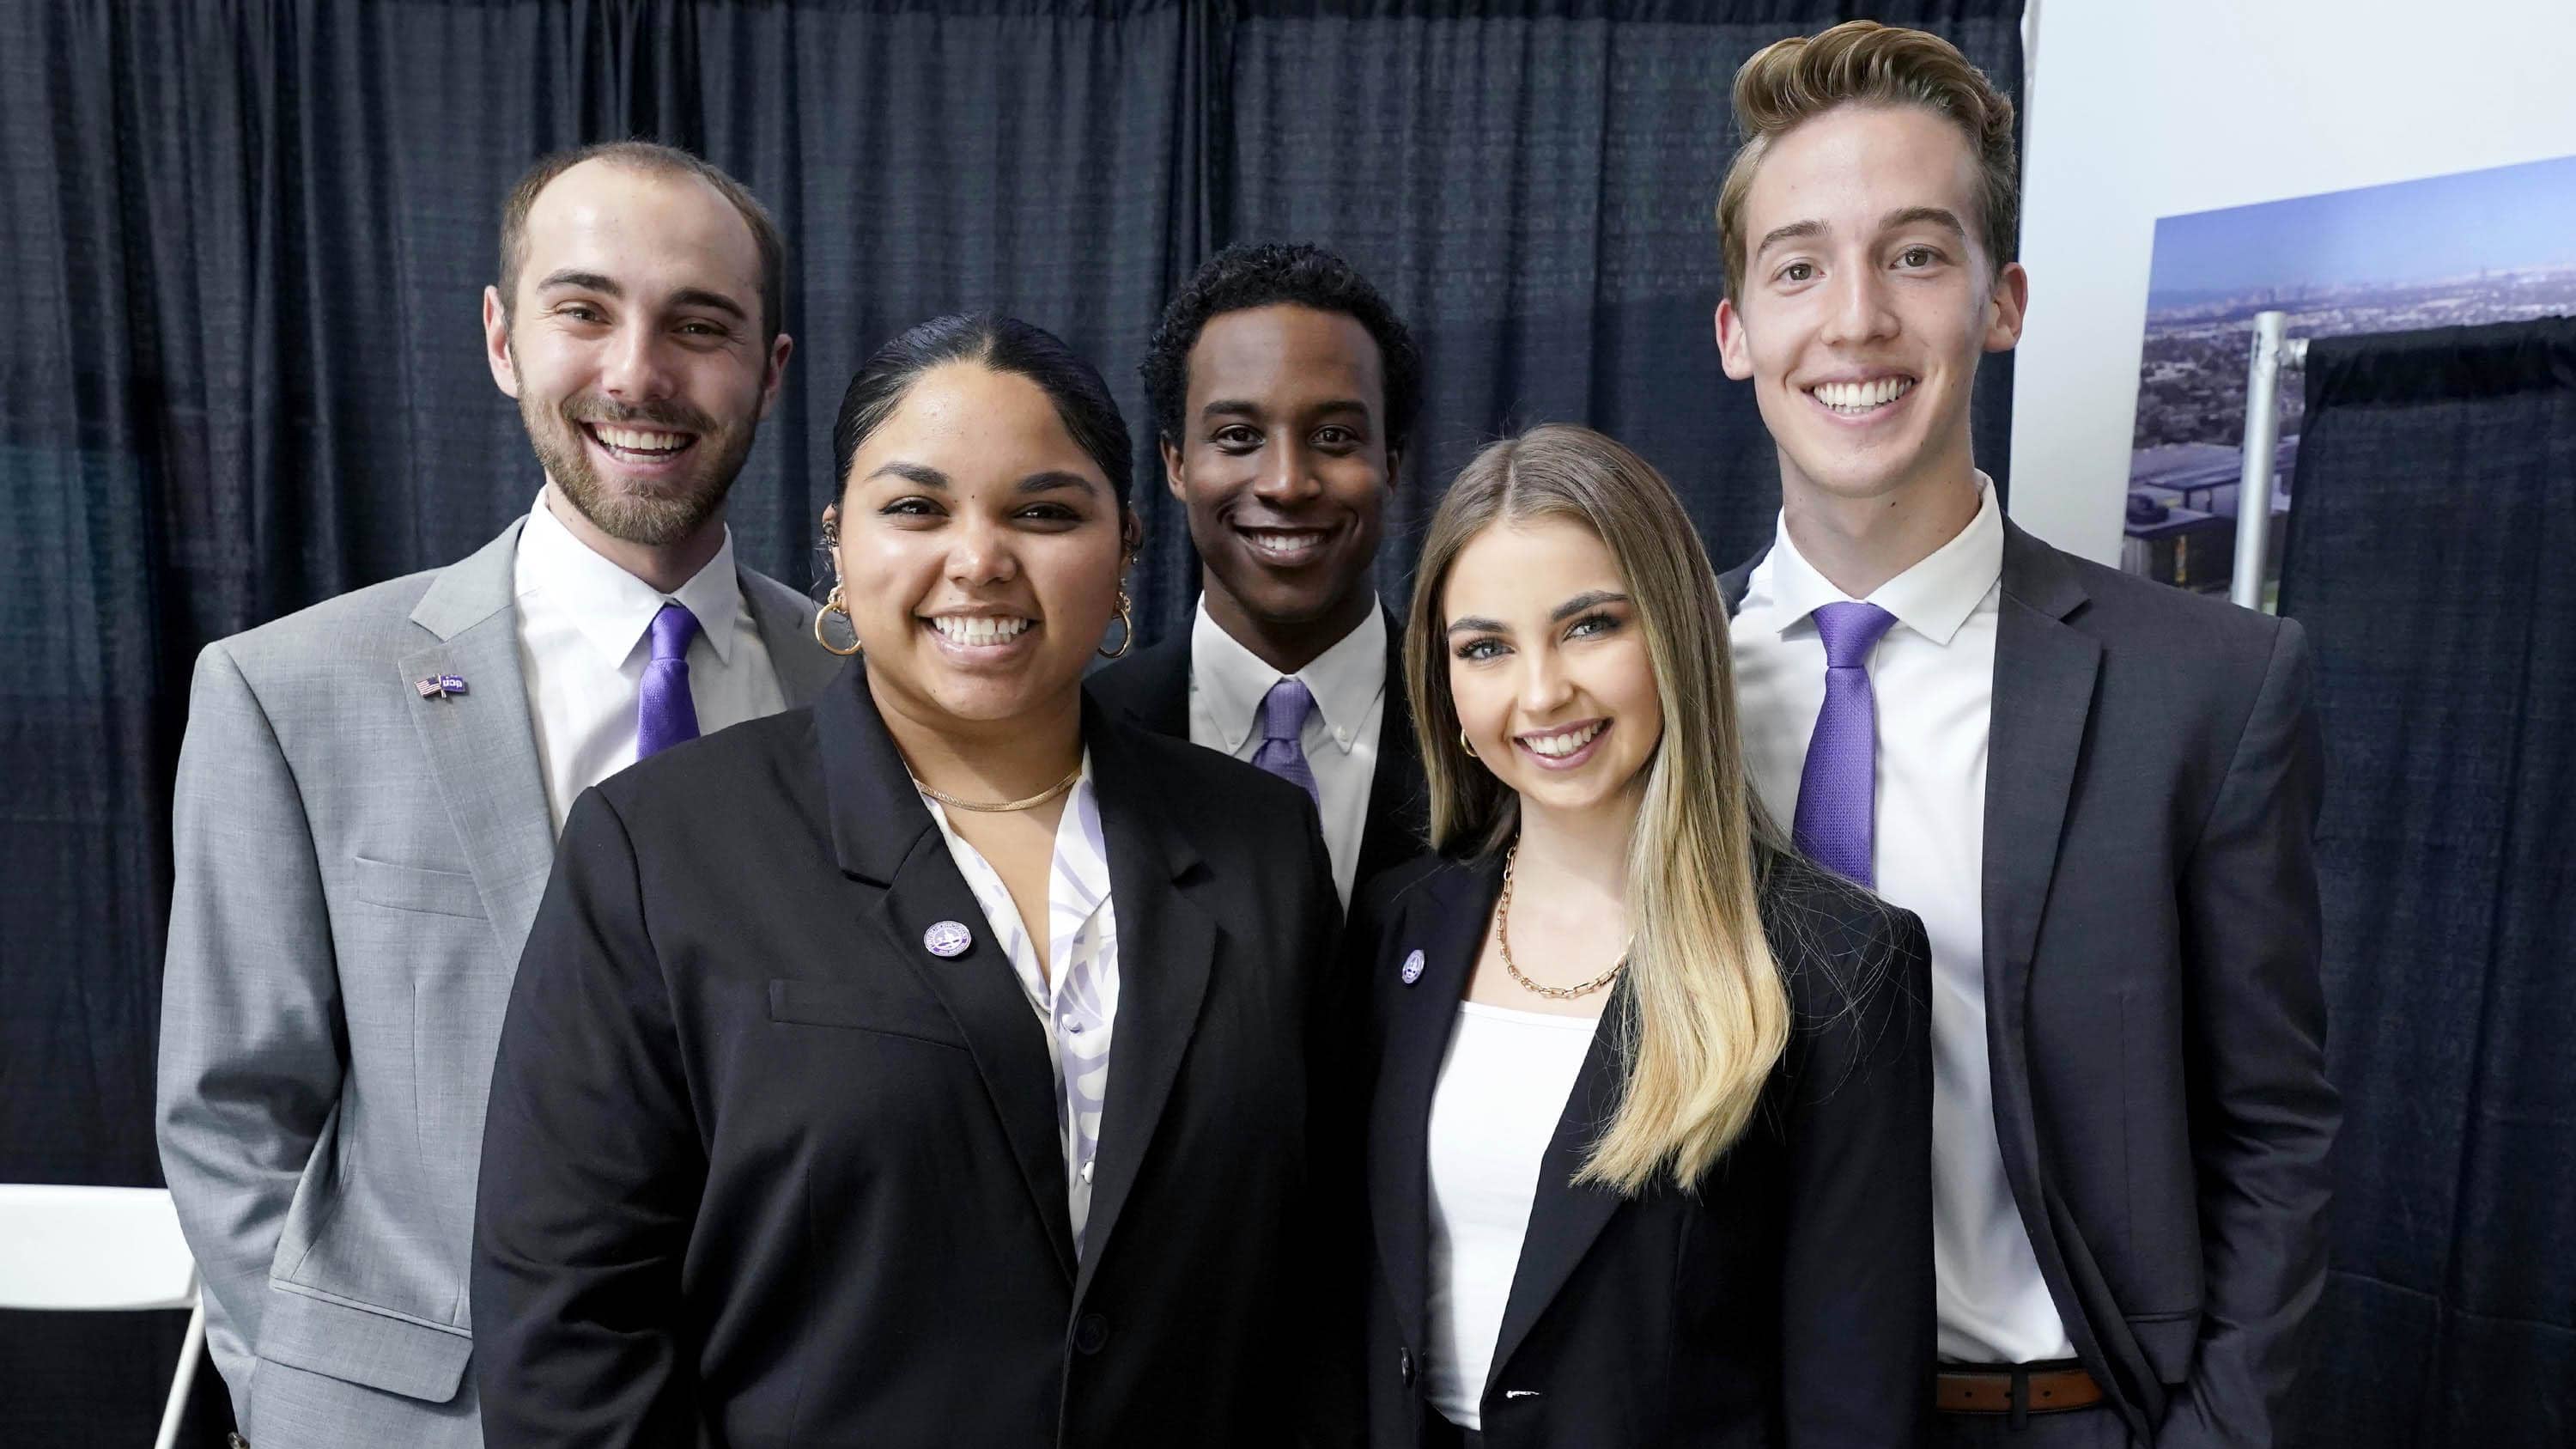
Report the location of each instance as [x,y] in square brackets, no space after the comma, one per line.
[1267,274]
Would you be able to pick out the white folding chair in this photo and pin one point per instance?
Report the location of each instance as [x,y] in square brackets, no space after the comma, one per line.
[102,1249]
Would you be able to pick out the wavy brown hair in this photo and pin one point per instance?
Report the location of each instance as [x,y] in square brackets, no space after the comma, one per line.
[1861,62]
[1711,1013]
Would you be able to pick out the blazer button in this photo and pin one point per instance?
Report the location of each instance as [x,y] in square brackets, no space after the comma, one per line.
[1404,1366]
[1091,1334]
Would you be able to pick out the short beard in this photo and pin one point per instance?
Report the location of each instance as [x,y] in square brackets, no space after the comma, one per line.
[647,520]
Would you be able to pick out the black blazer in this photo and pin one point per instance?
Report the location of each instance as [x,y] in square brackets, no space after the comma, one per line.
[760,1169]
[2155,1020]
[1151,688]
[1788,1302]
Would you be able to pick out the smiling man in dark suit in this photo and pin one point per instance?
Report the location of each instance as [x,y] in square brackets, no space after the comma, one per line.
[2098,793]
[1284,389]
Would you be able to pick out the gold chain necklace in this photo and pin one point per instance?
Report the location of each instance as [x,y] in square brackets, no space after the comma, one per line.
[998,807]
[1503,938]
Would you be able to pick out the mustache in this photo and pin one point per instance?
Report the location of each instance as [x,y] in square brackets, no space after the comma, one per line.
[679,417]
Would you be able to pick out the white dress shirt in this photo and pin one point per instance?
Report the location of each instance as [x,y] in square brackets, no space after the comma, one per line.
[1503,1086]
[1933,677]
[1228,683]
[1076,1003]
[584,639]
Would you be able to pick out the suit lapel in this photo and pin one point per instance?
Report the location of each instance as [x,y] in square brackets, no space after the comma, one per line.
[480,743]
[1166,949]
[1732,583]
[1447,925]
[1398,818]
[2043,696]
[1151,690]
[1565,1218]
[884,837]
[786,625]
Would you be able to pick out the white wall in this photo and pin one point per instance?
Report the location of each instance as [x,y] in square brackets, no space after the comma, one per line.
[2145,108]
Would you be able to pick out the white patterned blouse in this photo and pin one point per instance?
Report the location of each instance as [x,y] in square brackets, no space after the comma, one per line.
[1078,1006]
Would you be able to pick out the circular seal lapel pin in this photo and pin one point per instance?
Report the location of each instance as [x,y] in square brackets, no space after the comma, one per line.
[1413,968]
[947,939]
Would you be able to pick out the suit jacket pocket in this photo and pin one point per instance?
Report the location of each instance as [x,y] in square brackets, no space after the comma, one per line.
[344,1339]
[814,1003]
[2168,1340]
[410,888]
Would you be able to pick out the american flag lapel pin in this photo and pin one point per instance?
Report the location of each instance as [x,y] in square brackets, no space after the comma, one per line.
[439,686]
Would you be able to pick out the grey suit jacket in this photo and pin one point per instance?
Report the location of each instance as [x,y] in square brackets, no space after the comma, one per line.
[357,868]
[2155,1017]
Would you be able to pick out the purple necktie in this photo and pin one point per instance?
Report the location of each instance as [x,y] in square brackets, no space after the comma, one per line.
[1283,719]
[1839,786]
[664,714]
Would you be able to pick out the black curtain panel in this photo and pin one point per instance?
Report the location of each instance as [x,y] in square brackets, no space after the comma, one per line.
[246,241]
[2431,554]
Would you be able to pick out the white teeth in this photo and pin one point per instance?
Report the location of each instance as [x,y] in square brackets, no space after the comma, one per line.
[640,442]
[1558,745]
[978,630]
[1283,543]
[1860,397]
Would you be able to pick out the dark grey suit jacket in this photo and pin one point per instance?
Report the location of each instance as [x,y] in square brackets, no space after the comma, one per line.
[2154,1015]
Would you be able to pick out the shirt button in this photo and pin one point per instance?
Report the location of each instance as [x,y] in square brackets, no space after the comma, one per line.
[1091,1334]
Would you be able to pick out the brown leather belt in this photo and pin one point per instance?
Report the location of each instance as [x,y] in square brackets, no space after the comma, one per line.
[2044,1389]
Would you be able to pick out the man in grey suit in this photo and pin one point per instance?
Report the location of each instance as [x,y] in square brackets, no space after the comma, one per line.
[2098,793]
[369,793]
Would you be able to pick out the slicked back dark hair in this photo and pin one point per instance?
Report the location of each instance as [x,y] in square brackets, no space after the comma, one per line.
[1004,344]
[1268,274]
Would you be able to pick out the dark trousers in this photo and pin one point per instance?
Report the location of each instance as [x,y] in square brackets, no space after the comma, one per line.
[2100,1427]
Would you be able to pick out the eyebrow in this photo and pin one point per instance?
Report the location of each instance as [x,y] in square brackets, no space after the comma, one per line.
[1589,599]
[922,475]
[1939,216]
[1235,407]
[607,286]
[1794,231]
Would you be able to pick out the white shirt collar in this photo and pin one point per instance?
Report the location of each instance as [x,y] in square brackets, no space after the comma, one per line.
[1933,598]
[1347,680]
[612,608]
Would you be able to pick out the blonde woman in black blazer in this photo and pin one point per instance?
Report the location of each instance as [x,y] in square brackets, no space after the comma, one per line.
[798,1135]
[1649,1152]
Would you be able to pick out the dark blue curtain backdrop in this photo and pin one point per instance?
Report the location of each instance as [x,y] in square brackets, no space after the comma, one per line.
[2432,556]
[245,242]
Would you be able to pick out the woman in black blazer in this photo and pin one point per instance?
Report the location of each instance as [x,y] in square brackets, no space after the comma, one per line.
[1649,1155]
[797,1136]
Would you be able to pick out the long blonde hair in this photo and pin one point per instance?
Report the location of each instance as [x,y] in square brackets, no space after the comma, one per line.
[1711,1014]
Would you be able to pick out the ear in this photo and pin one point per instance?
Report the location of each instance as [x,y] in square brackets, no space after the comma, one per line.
[776,372]
[1734,349]
[1172,470]
[832,538]
[496,343]
[2005,308]
[1131,537]
[1394,466]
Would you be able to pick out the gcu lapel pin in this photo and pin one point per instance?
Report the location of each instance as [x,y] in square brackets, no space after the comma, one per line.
[1413,968]
[439,686]
[947,939]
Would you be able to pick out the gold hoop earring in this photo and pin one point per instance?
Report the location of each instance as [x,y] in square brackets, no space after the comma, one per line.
[831,606]
[1462,744]
[1126,627]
